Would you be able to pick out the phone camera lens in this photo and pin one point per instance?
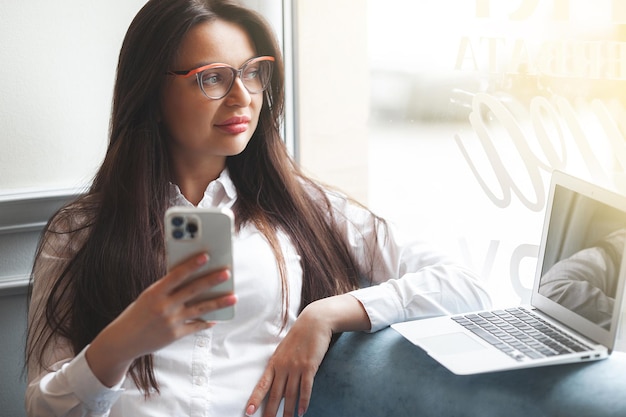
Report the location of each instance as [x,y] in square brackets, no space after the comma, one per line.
[177,221]
[192,228]
[178,234]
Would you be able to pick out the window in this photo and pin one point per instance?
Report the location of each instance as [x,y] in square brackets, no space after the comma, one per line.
[447,117]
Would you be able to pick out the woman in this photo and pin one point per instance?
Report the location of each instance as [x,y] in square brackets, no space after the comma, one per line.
[111,333]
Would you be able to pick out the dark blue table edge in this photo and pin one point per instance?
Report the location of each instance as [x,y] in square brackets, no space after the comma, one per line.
[382,374]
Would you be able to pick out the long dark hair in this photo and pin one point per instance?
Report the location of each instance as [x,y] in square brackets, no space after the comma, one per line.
[121,216]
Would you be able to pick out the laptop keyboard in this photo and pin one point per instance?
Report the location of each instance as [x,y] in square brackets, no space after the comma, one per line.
[520,333]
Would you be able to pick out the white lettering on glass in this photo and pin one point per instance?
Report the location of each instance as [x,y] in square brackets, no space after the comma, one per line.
[543,112]
[561,9]
[523,130]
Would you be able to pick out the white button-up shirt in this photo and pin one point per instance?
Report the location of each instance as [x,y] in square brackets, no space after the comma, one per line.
[213,372]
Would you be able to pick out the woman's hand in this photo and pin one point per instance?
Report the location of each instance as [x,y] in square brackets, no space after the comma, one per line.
[292,368]
[158,317]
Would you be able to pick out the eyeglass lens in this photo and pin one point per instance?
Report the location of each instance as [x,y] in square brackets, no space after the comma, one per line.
[217,82]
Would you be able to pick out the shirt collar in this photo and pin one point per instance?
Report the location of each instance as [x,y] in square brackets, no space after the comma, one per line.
[219,193]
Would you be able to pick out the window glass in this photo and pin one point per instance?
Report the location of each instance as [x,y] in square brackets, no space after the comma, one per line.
[474,102]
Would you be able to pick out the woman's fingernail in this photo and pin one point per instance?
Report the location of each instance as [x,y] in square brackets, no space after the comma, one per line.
[202,259]
[223,276]
[301,412]
[250,410]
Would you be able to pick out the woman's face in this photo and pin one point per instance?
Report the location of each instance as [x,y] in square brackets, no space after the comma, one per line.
[200,127]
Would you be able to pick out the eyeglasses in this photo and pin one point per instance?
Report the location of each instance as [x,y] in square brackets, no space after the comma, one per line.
[216,80]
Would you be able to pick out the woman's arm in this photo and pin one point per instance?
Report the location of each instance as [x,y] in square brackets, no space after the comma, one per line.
[88,384]
[291,370]
[419,282]
[404,281]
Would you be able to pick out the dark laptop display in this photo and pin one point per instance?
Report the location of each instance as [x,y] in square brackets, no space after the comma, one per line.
[583,255]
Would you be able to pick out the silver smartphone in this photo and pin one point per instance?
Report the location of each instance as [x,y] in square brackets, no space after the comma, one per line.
[190,231]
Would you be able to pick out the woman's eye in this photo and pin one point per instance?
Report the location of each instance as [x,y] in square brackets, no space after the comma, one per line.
[211,79]
[251,73]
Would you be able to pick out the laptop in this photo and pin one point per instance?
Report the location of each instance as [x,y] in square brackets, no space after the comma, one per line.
[576,299]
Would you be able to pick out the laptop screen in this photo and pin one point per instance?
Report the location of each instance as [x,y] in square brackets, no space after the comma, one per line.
[583,255]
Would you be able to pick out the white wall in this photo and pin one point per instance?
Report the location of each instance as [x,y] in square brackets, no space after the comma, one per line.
[333,92]
[56,79]
[58,61]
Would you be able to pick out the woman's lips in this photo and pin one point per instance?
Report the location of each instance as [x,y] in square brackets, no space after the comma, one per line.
[234,125]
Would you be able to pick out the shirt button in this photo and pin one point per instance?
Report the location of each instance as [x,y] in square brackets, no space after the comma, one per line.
[102,406]
[199,380]
[201,343]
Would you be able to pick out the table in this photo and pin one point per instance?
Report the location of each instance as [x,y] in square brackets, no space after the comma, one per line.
[383,375]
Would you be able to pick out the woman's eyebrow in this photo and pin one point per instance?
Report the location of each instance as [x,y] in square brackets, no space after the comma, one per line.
[200,64]
[208,62]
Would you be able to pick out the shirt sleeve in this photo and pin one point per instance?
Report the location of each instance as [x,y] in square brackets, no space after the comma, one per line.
[405,280]
[62,384]
[70,389]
